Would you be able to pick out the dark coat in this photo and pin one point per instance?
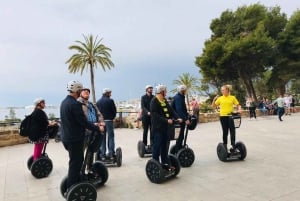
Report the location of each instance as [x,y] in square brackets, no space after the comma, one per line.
[179,106]
[39,125]
[107,107]
[158,119]
[73,121]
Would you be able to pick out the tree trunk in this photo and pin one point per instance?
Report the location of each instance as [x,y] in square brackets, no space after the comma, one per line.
[92,83]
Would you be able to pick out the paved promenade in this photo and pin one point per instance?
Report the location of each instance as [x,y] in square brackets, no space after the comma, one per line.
[270,172]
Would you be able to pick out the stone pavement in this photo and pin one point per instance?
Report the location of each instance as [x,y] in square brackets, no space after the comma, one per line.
[270,172]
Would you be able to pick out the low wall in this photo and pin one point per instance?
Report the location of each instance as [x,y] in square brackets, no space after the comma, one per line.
[11,137]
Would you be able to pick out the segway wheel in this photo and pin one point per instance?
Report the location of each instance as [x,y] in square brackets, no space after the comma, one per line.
[119,156]
[154,171]
[42,167]
[222,152]
[99,174]
[141,149]
[242,149]
[186,157]
[82,191]
[63,187]
[173,149]
[29,162]
[175,162]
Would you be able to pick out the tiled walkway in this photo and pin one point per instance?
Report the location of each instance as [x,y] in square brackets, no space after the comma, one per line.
[271,171]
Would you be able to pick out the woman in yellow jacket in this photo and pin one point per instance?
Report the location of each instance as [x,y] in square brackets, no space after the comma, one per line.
[226,103]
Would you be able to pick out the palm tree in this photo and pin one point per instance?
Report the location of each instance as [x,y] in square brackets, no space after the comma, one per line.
[192,83]
[90,53]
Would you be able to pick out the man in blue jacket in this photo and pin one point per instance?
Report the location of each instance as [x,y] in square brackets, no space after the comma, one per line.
[108,109]
[74,123]
[179,106]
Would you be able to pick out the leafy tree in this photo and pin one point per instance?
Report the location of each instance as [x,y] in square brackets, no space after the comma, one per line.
[288,61]
[90,54]
[242,46]
[191,82]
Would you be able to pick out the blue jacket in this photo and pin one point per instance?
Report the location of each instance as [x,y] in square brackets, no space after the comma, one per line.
[107,107]
[73,121]
[179,106]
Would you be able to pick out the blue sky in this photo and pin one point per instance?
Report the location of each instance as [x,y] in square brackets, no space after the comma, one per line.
[152,42]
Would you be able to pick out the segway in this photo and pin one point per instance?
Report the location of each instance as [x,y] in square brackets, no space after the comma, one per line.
[91,179]
[41,167]
[144,150]
[185,154]
[239,151]
[116,160]
[157,173]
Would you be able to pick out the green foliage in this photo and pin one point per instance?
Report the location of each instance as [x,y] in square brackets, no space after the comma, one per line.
[242,47]
[90,54]
[206,108]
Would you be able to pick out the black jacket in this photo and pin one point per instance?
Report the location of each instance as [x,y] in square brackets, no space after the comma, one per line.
[39,125]
[158,119]
[73,121]
[107,107]
[145,104]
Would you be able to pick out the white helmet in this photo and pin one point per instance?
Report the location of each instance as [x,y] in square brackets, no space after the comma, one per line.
[38,101]
[159,88]
[181,88]
[148,86]
[106,90]
[74,86]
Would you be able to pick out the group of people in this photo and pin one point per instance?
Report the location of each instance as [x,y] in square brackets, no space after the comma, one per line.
[280,106]
[161,113]
[79,119]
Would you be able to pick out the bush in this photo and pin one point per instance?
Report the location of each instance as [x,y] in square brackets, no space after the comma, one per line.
[205,108]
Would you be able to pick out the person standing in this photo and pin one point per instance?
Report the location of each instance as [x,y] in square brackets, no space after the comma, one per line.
[93,116]
[252,107]
[195,107]
[226,102]
[73,126]
[162,116]
[39,127]
[179,106]
[107,107]
[146,114]
[280,106]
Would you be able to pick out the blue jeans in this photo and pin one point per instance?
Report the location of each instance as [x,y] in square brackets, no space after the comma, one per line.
[109,126]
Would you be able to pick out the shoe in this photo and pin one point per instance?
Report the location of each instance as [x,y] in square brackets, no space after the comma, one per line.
[102,158]
[168,167]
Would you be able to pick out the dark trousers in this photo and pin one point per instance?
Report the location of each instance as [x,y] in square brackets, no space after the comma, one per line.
[280,111]
[75,150]
[252,112]
[147,126]
[180,137]
[228,124]
[161,146]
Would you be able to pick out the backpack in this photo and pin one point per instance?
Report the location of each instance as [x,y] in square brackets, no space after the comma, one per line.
[25,126]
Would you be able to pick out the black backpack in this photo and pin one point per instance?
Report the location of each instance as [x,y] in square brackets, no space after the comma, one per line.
[25,126]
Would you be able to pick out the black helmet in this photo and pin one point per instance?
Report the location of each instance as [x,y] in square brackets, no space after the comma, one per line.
[194,121]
